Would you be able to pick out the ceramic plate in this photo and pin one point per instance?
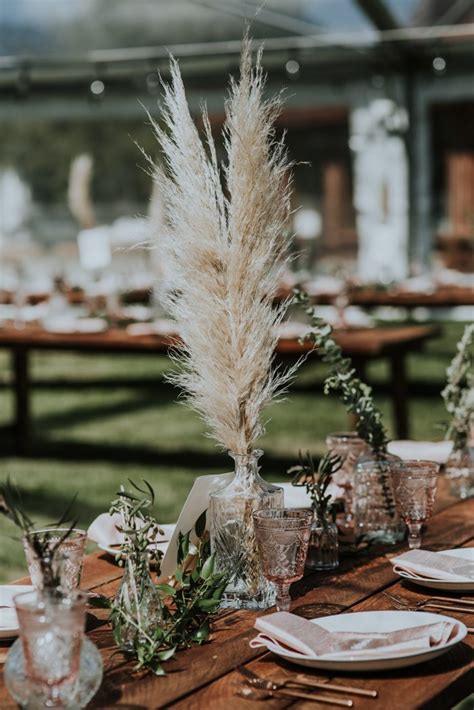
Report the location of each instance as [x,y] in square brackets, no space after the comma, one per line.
[8,620]
[466,553]
[375,621]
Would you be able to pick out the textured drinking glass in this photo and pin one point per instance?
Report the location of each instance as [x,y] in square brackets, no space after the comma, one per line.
[67,554]
[460,470]
[376,518]
[415,484]
[350,447]
[282,538]
[51,631]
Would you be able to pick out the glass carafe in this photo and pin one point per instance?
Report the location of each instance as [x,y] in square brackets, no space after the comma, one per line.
[232,533]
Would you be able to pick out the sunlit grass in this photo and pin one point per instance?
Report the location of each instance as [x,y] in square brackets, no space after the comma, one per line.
[89,438]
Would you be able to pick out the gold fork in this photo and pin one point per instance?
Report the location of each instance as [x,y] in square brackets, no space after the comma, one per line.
[300,681]
[401,603]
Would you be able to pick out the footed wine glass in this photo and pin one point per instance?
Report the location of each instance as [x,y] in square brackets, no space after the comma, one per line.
[282,538]
[414,485]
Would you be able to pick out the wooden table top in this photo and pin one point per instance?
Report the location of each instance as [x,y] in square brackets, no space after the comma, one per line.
[204,678]
[442,296]
[356,341]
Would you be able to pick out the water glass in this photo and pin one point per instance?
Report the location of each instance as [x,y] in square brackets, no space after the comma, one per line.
[414,485]
[67,556]
[350,447]
[51,632]
[282,537]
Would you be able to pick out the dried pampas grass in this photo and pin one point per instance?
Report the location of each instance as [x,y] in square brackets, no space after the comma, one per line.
[224,251]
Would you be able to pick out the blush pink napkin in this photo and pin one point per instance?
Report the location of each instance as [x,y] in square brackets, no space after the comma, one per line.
[434,565]
[310,640]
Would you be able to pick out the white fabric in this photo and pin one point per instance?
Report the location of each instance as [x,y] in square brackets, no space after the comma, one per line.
[437,451]
[434,565]
[311,640]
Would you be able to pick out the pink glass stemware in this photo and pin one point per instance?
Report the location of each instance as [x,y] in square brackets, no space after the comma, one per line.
[282,538]
[415,484]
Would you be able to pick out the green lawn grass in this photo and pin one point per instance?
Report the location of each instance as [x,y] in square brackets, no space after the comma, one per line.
[93,429]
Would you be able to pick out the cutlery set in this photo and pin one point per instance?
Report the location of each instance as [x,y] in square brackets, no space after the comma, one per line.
[257,688]
[254,687]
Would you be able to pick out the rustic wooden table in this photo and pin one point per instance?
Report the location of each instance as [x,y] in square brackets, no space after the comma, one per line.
[204,677]
[361,344]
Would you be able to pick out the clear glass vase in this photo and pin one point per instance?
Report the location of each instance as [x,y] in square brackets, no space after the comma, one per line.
[375,514]
[138,604]
[350,447]
[232,533]
[323,550]
[460,470]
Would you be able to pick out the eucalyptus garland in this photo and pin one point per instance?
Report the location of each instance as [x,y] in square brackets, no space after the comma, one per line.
[458,395]
[342,379]
[355,394]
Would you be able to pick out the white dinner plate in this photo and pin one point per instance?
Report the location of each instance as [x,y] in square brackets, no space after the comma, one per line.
[8,621]
[466,553]
[375,621]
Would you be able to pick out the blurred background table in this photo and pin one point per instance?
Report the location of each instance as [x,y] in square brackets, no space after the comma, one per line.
[361,344]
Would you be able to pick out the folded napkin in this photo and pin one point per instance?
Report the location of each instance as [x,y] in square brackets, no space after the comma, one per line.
[437,451]
[104,531]
[310,640]
[8,619]
[434,565]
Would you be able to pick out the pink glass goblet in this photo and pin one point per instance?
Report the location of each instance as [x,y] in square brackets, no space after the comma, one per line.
[414,485]
[282,539]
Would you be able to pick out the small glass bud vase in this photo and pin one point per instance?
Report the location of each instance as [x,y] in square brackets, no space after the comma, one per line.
[460,469]
[376,519]
[350,447]
[232,533]
[323,550]
[138,603]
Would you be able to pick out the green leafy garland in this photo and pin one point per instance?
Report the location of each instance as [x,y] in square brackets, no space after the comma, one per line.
[458,395]
[40,543]
[188,601]
[316,481]
[342,379]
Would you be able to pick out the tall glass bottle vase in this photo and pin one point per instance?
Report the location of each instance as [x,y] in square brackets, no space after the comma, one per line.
[323,549]
[375,514]
[138,605]
[232,533]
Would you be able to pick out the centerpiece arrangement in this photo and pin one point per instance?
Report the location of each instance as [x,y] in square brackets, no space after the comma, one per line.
[151,621]
[224,249]
[375,512]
